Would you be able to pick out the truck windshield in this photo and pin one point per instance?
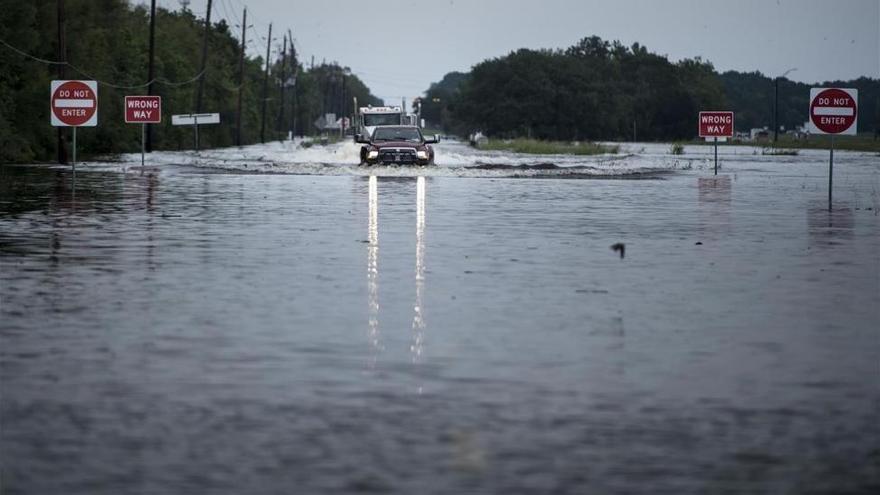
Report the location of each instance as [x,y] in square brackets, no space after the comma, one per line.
[381,119]
[397,134]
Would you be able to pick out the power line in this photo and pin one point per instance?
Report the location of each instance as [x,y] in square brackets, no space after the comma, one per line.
[91,77]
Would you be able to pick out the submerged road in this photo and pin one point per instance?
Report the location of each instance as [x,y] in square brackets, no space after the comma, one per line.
[201,328]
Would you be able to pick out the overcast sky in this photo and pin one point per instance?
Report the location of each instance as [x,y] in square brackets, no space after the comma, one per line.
[399,47]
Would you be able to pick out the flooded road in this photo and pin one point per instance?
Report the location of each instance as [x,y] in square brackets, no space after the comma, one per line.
[313,328]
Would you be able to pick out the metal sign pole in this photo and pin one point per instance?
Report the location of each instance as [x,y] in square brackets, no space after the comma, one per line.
[74,149]
[143,142]
[830,172]
[196,127]
[716,155]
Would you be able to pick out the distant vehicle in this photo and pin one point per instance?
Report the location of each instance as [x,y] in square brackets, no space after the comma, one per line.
[477,138]
[371,117]
[398,145]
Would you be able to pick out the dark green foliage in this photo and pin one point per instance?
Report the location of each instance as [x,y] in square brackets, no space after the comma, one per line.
[592,90]
[438,105]
[329,88]
[601,90]
[751,96]
[107,40]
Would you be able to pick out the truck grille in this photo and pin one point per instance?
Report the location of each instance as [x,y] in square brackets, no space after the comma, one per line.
[397,155]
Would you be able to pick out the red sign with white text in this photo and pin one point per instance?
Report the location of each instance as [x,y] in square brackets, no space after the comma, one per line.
[834,110]
[74,103]
[716,124]
[143,109]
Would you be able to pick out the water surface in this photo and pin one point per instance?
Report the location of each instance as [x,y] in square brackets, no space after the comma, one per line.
[191,330]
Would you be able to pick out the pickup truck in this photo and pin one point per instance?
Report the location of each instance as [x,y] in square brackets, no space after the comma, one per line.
[397,145]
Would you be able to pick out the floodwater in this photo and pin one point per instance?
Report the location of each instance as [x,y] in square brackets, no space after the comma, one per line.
[274,321]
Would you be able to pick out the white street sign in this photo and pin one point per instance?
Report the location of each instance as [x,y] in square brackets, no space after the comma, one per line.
[195,119]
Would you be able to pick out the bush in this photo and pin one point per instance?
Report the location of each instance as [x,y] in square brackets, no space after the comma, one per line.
[537,147]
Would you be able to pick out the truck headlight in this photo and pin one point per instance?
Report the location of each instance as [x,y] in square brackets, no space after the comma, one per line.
[422,155]
[372,154]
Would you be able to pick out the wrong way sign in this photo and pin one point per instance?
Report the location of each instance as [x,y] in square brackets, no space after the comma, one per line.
[834,111]
[74,103]
[716,124]
[143,109]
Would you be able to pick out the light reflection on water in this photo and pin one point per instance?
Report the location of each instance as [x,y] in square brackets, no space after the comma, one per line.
[373,268]
[418,327]
[418,324]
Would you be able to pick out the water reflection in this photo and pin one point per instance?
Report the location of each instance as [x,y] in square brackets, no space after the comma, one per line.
[714,205]
[714,189]
[417,336]
[373,267]
[827,228]
[418,324]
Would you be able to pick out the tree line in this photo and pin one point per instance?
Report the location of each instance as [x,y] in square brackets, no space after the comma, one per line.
[604,90]
[107,40]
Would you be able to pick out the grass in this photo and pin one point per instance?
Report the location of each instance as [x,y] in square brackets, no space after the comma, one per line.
[773,151]
[677,149]
[863,142]
[321,141]
[536,147]
[850,143]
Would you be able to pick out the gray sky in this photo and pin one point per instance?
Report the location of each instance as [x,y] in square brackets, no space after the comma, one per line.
[399,47]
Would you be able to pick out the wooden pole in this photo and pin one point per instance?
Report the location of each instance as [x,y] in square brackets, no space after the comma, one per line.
[294,72]
[240,77]
[201,89]
[62,57]
[280,123]
[151,72]
[265,88]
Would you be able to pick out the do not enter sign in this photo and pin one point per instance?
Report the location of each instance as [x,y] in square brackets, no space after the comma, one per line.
[834,110]
[74,103]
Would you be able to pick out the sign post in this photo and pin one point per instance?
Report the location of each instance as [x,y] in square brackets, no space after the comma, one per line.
[143,110]
[195,120]
[716,125]
[833,111]
[73,104]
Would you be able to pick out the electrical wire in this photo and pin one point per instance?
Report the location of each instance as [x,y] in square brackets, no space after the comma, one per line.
[93,78]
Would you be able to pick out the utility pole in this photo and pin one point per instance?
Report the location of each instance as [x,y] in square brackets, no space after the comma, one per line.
[265,87]
[240,77]
[342,110]
[201,90]
[62,57]
[293,126]
[776,103]
[776,110]
[280,124]
[294,72]
[151,71]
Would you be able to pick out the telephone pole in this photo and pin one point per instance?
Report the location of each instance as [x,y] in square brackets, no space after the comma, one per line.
[62,57]
[776,103]
[342,109]
[240,77]
[265,88]
[151,70]
[280,124]
[201,90]
[295,65]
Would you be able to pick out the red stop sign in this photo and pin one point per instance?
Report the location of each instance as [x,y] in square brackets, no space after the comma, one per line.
[74,103]
[833,110]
